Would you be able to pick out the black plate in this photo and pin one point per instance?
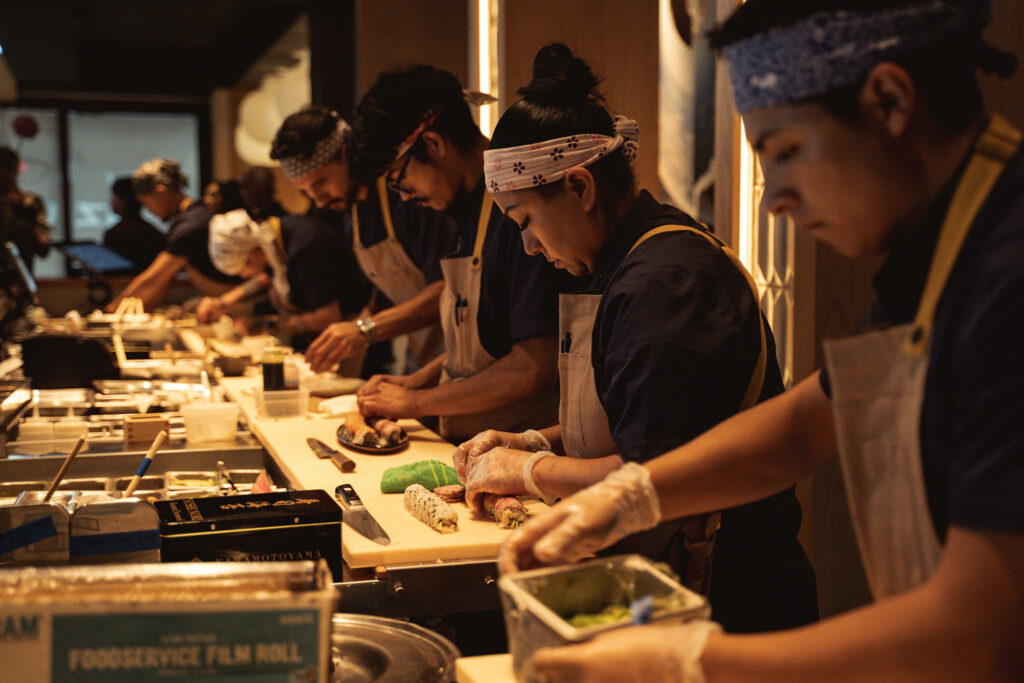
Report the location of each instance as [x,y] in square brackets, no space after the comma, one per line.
[394,448]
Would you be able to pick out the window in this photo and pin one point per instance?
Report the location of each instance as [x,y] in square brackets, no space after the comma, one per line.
[81,149]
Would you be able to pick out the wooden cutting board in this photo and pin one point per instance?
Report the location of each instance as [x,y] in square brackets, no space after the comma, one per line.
[411,540]
[484,669]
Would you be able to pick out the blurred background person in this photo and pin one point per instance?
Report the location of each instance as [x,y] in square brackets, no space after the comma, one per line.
[132,236]
[22,213]
[257,193]
[221,196]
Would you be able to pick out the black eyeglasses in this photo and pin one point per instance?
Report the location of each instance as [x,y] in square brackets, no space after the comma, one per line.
[394,183]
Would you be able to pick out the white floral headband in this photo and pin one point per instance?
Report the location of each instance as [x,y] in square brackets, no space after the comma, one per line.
[540,163]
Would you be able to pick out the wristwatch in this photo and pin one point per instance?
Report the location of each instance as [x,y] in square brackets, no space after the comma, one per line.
[367,328]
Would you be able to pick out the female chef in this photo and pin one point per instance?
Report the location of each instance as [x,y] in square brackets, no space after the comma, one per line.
[873,135]
[667,340]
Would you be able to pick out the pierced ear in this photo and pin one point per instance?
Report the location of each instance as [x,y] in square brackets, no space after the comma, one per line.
[888,98]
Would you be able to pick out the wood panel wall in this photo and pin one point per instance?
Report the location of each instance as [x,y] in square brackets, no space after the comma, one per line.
[396,32]
[619,40]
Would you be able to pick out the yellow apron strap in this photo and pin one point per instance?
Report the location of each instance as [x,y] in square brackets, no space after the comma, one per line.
[275,223]
[994,149]
[481,229]
[385,206]
[356,240]
[756,383]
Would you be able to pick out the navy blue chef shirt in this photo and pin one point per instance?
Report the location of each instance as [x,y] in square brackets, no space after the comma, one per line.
[321,265]
[518,292]
[677,334]
[972,431]
[676,339]
[189,236]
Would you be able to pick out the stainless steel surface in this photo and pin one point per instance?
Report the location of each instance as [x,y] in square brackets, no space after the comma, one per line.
[323,451]
[356,515]
[369,648]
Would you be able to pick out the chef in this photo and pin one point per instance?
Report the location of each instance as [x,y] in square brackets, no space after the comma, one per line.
[498,306]
[398,247]
[873,135]
[666,341]
[159,184]
[296,259]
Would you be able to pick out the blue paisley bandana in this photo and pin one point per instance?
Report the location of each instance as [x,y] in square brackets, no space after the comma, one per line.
[832,49]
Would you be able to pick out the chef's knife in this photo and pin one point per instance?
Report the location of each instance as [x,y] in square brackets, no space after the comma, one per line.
[324,451]
[358,517]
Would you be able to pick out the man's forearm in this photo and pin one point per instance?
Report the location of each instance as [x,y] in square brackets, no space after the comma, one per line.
[418,312]
[751,455]
[527,370]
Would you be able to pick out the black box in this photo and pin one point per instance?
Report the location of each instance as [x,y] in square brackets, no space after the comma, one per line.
[261,527]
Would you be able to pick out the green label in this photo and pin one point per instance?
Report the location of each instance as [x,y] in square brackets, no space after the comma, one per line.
[279,645]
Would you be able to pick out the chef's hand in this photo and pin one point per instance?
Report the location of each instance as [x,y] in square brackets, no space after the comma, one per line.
[621,504]
[531,440]
[337,342]
[209,309]
[640,654]
[499,470]
[390,400]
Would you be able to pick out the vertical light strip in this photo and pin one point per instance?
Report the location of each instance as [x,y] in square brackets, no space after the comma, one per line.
[487,58]
[745,248]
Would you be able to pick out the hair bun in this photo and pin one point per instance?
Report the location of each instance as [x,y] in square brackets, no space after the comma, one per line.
[560,78]
[994,61]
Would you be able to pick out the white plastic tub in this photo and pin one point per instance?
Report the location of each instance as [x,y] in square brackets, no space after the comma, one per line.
[210,421]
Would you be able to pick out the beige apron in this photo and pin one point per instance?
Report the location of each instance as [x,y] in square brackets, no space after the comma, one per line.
[465,354]
[584,422]
[878,385]
[389,268]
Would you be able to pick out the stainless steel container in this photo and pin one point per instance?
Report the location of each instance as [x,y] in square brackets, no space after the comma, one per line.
[538,604]
[106,529]
[34,533]
[367,649]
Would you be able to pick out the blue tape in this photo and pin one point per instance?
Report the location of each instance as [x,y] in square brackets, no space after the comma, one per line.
[143,466]
[27,534]
[121,542]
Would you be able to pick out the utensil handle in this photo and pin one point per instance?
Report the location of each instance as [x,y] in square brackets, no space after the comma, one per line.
[64,467]
[134,483]
[348,496]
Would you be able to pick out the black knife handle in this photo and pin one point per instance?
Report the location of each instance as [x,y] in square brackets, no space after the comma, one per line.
[347,495]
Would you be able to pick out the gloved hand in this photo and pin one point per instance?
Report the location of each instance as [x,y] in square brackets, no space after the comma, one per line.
[621,504]
[209,309]
[499,470]
[644,654]
[531,440]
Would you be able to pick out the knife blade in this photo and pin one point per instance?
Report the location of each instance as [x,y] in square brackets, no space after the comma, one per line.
[323,451]
[357,516]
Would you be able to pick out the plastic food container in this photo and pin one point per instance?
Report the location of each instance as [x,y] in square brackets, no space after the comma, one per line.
[210,421]
[538,604]
[288,403]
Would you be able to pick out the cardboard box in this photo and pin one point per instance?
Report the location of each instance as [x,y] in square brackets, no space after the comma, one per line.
[268,622]
[283,526]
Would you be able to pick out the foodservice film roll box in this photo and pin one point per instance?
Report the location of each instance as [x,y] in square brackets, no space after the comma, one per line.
[281,526]
[267,622]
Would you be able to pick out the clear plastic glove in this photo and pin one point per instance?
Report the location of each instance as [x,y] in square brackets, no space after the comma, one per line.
[644,654]
[499,470]
[621,504]
[531,441]
[209,309]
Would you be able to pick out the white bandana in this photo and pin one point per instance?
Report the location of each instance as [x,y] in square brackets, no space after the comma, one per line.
[326,151]
[234,234]
[540,163]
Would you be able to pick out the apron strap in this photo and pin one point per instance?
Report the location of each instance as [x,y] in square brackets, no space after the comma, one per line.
[756,383]
[275,225]
[993,150]
[481,229]
[385,207]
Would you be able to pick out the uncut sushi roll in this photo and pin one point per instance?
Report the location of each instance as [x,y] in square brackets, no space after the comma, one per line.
[430,509]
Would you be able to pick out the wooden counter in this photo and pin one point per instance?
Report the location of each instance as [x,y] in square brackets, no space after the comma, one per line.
[411,540]
[484,669]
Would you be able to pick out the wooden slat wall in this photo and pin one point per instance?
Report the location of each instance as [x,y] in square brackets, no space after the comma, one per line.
[619,40]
